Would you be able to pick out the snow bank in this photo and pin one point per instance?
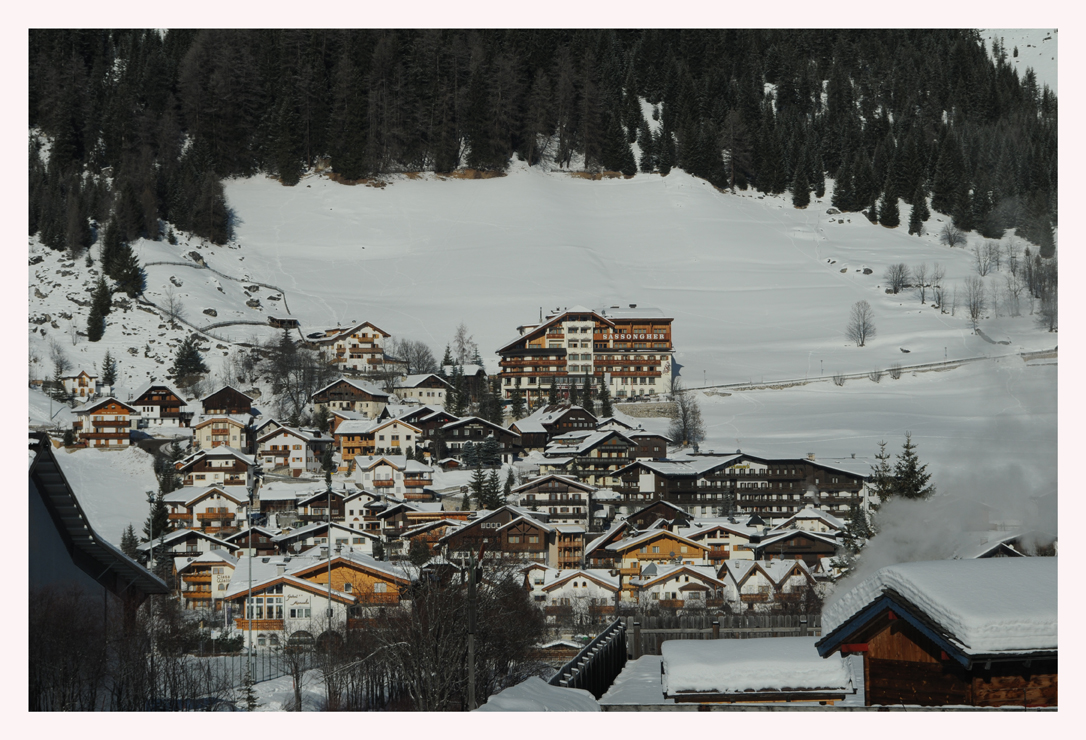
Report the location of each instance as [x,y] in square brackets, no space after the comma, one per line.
[638,683]
[986,606]
[760,664]
[536,695]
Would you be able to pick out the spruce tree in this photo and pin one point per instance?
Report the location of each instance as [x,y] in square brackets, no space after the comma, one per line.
[801,193]
[889,216]
[573,399]
[446,361]
[552,393]
[644,141]
[477,486]
[882,478]
[188,362]
[492,491]
[586,395]
[517,407]
[606,409]
[109,369]
[101,302]
[507,489]
[911,479]
[842,188]
[130,543]
[419,552]
[158,521]
[916,226]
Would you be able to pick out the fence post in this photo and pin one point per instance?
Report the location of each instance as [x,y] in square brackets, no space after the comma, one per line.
[636,640]
[716,629]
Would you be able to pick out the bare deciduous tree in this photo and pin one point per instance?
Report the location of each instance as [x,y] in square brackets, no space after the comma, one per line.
[897,276]
[1014,289]
[464,347]
[861,323]
[1048,315]
[982,259]
[976,299]
[686,424]
[416,355]
[952,236]
[920,280]
[173,307]
[1013,255]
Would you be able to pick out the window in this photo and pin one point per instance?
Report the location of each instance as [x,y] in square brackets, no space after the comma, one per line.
[656,548]
[533,539]
[348,587]
[380,588]
[222,586]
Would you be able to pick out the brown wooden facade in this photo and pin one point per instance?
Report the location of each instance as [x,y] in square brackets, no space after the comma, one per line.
[796,545]
[227,400]
[107,423]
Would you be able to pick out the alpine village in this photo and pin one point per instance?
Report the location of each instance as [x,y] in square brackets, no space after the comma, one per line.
[327,414]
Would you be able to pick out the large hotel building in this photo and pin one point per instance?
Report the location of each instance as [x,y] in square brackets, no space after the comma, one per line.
[629,349]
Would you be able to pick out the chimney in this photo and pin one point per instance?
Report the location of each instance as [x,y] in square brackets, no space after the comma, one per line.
[280,568]
[810,456]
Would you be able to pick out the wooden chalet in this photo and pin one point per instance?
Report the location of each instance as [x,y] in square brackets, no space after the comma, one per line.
[678,586]
[597,555]
[213,509]
[648,446]
[540,427]
[222,430]
[671,515]
[359,348]
[795,544]
[979,632]
[227,400]
[219,466]
[204,579]
[338,416]
[257,540]
[594,457]
[351,395]
[106,423]
[506,533]
[725,540]
[162,405]
[475,379]
[314,508]
[476,430]
[297,450]
[371,582]
[426,389]
[284,322]
[365,437]
[564,498]
[654,546]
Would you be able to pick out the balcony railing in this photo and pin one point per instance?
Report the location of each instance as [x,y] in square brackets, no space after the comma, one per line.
[636,570]
[384,483]
[184,516]
[416,482]
[196,578]
[373,598]
[225,516]
[260,624]
[755,597]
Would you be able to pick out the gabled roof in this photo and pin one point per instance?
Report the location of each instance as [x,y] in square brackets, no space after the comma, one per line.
[349,415]
[220,451]
[788,534]
[565,479]
[360,561]
[972,609]
[215,556]
[690,468]
[558,317]
[321,496]
[779,571]
[546,416]
[475,419]
[638,539]
[616,529]
[581,444]
[310,529]
[244,533]
[149,386]
[223,388]
[190,495]
[679,511]
[701,530]
[413,381]
[739,570]
[360,385]
[240,588]
[368,426]
[205,419]
[599,576]
[90,406]
[183,534]
[529,520]
[341,332]
[665,572]
[113,569]
[809,512]
[77,374]
[306,435]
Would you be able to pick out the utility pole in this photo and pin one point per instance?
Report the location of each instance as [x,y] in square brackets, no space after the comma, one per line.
[471,634]
[151,598]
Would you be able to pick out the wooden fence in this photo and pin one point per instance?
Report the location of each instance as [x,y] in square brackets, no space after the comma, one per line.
[645,632]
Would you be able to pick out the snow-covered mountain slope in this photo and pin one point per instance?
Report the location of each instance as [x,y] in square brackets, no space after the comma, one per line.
[1037,48]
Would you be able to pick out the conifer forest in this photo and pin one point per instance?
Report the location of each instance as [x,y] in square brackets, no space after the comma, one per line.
[143,126]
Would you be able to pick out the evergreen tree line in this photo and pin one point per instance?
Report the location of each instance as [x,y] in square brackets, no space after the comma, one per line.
[887,113]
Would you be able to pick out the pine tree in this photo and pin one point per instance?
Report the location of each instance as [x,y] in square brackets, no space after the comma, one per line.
[882,478]
[446,361]
[586,395]
[910,476]
[492,491]
[378,550]
[158,521]
[109,369]
[130,543]
[457,397]
[477,486]
[842,189]
[889,216]
[644,141]
[606,409]
[419,552]
[552,393]
[469,454]
[916,226]
[517,407]
[573,399]
[188,362]
[101,302]
[801,192]
[507,489]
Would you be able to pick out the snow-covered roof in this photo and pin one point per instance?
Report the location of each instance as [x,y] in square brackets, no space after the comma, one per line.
[554,578]
[205,419]
[215,556]
[580,443]
[702,528]
[616,527]
[535,421]
[191,494]
[668,571]
[159,384]
[223,388]
[565,479]
[809,512]
[779,570]
[367,426]
[220,451]
[681,468]
[651,534]
[413,381]
[90,406]
[345,414]
[359,384]
[780,536]
[980,544]
[306,435]
[536,695]
[180,534]
[763,664]
[988,606]
[466,369]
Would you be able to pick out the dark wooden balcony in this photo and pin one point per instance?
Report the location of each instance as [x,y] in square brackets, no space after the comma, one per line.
[370,598]
[224,516]
[384,483]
